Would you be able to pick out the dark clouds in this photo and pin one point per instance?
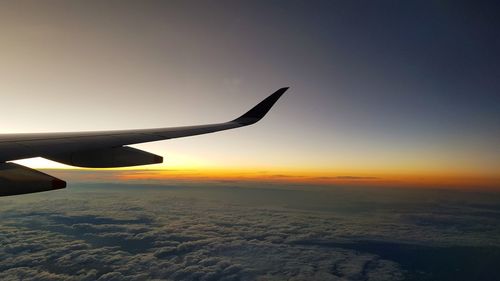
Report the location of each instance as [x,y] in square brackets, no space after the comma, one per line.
[168,233]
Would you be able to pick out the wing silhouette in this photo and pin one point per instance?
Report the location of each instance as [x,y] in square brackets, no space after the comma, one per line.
[103,149]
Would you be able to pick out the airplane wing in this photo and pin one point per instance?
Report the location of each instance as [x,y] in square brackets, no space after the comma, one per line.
[104,149]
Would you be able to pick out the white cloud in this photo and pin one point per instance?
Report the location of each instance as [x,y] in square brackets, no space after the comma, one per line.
[195,235]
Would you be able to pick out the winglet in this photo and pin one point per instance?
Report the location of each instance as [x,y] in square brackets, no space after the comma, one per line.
[261,109]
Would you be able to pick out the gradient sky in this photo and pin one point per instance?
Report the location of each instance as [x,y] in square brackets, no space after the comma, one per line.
[382,89]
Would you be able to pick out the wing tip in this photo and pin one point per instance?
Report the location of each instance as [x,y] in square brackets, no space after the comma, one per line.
[260,110]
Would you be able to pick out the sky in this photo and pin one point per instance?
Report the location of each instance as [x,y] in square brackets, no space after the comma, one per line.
[397,93]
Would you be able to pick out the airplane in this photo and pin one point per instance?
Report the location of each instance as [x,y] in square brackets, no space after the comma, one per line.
[103,149]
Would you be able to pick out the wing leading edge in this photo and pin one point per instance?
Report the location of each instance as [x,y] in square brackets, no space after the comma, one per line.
[94,149]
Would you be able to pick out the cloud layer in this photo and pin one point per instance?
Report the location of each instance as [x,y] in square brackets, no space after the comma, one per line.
[170,233]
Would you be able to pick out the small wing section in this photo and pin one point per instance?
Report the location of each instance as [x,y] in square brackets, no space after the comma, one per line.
[16,179]
[107,158]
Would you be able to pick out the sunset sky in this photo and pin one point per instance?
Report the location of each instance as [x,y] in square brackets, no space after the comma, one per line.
[381,92]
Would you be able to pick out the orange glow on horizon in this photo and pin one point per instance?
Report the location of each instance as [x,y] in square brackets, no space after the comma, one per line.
[193,171]
[448,181]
